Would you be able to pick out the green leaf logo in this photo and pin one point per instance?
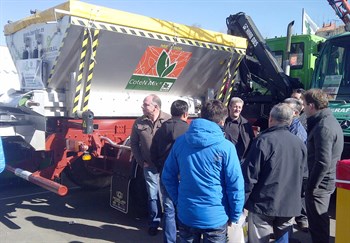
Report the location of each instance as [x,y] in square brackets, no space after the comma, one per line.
[164,67]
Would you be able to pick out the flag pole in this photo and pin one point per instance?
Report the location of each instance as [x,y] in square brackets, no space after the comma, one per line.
[302,21]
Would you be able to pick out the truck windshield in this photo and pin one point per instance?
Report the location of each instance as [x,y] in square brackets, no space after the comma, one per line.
[333,73]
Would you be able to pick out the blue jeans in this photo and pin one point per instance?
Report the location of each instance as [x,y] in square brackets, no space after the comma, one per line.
[169,221]
[152,184]
[193,235]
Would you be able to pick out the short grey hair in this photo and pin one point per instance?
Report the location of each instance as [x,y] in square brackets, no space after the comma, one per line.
[156,100]
[282,113]
[295,104]
[236,100]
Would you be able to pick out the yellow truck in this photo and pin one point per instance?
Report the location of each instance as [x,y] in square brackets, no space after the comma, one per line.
[84,71]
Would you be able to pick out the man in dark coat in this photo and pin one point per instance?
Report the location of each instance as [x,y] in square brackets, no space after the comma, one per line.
[273,174]
[162,142]
[237,129]
[325,145]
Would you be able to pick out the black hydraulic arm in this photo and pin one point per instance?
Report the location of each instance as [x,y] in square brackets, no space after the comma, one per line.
[342,9]
[242,25]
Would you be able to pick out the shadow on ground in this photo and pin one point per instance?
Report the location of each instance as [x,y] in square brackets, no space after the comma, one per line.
[81,216]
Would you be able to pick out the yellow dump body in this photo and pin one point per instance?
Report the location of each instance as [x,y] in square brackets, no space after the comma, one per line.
[83,56]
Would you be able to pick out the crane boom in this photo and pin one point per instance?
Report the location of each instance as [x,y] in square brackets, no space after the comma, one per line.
[342,9]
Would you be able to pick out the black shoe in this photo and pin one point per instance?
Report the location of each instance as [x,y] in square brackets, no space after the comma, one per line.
[152,231]
[303,226]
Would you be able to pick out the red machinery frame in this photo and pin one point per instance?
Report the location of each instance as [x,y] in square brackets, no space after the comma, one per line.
[66,143]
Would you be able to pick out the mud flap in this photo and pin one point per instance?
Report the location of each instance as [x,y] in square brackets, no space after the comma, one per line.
[2,157]
[120,188]
[120,193]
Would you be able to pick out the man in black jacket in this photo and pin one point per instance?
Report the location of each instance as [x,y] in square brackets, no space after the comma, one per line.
[237,129]
[162,142]
[325,145]
[273,174]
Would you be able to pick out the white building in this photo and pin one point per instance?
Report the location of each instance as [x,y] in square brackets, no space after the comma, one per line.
[8,74]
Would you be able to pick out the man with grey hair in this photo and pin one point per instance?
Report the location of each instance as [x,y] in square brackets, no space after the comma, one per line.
[237,129]
[297,128]
[297,94]
[273,175]
[141,137]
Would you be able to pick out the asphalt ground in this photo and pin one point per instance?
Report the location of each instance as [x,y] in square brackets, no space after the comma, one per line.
[31,214]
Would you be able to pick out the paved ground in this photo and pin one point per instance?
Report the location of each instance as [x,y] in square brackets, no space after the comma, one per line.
[31,214]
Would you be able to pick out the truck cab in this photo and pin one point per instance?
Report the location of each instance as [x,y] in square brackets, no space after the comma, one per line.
[302,56]
[332,74]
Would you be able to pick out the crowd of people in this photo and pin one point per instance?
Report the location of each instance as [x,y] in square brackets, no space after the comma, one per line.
[210,169]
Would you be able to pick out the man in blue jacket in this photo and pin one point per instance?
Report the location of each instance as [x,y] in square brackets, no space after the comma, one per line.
[203,177]
[2,157]
[296,127]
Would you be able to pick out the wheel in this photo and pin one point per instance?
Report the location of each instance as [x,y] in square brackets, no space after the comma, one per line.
[83,174]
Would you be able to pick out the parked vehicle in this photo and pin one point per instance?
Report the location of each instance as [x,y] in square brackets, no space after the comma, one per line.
[302,56]
[84,72]
[332,72]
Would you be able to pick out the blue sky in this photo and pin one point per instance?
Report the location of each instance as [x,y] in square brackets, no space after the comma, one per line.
[270,16]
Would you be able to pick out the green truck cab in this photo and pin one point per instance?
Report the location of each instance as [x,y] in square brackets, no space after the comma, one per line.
[332,74]
[324,64]
[302,57]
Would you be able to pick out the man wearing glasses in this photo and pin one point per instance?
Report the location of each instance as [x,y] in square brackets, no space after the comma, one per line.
[298,94]
[141,137]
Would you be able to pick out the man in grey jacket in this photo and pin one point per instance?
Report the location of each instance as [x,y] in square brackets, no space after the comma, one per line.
[325,145]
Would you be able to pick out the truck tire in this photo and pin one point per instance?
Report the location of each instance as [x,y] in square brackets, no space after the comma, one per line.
[85,177]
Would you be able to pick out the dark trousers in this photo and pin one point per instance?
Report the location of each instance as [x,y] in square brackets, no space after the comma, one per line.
[303,216]
[317,212]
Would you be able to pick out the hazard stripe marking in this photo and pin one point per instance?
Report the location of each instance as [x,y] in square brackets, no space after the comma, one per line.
[152,35]
[81,70]
[91,70]
[233,79]
[53,69]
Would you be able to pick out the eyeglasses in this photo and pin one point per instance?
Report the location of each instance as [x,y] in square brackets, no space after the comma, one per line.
[299,91]
[144,105]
